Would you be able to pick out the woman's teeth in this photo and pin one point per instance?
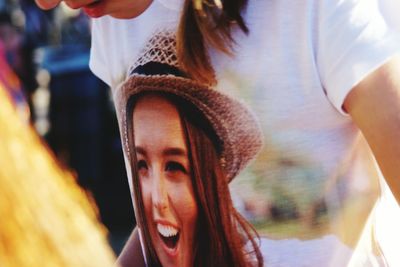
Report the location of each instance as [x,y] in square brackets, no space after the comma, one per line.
[167,230]
[169,235]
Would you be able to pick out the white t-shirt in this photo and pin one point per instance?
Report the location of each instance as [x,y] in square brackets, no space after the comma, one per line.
[305,253]
[295,68]
[116,42]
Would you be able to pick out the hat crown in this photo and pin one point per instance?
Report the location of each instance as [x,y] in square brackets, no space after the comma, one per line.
[160,48]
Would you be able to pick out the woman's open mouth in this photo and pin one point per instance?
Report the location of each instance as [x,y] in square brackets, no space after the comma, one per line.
[169,236]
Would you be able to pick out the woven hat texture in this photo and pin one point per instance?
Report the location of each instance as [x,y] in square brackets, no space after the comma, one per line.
[233,122]
[161,48]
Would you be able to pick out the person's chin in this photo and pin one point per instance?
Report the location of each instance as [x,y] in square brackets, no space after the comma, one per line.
[95,10]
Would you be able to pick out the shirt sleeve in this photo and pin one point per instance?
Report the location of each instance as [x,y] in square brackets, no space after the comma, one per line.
[353,41]
[98,58]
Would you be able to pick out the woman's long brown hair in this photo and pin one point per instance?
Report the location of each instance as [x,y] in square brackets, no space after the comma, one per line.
[209,26]
[223,235]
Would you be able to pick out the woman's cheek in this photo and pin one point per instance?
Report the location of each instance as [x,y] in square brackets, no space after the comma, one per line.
[185,202]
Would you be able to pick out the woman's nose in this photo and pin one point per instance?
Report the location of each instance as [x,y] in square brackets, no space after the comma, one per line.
[159,192]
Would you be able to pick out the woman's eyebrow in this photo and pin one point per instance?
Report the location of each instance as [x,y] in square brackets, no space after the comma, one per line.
[171,151]
[140,150]
[174,151]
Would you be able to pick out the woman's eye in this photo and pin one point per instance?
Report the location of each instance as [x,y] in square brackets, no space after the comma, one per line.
[173,166]
[141,166]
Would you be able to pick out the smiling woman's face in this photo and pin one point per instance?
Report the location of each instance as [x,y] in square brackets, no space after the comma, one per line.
[164,174]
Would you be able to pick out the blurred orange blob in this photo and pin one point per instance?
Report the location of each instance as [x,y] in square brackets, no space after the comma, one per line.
[46,219]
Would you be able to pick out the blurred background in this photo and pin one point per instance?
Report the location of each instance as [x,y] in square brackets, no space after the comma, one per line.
[44,59]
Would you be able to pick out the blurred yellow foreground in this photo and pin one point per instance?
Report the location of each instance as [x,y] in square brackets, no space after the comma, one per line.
[45,218]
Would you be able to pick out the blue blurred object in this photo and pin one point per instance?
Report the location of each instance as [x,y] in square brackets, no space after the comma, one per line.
[84,132]
[83,129]
[63,59]
[11,84]
[77,100]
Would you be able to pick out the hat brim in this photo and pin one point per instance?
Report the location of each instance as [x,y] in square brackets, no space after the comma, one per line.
[234,124]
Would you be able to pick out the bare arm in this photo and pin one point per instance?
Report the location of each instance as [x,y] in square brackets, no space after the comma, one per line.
[131,255]
[374,105]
